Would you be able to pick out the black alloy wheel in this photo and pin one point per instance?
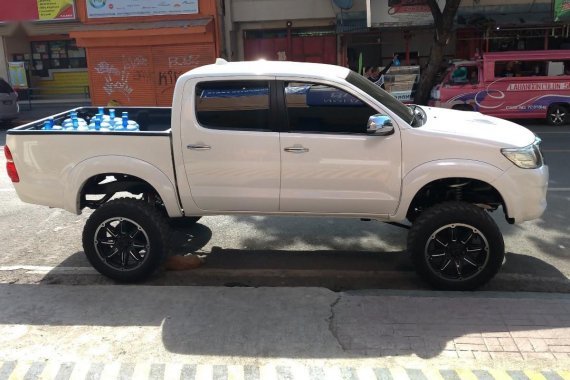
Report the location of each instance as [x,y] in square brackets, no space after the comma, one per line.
[126,239]
[456,246]
[557,115]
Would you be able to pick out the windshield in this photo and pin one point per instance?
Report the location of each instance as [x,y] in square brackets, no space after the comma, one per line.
[381,96]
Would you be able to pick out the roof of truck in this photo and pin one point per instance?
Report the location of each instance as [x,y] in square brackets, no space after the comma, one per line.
[262,67]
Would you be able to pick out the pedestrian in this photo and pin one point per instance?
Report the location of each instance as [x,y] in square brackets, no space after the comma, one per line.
[377,76]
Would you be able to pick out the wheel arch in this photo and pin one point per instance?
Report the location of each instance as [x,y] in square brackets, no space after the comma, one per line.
[147,175]
[475,178]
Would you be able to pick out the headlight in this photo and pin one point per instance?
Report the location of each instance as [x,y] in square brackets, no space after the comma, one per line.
[528,157]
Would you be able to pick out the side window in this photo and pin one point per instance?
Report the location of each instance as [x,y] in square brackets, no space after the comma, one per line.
[319,108]
[237,105]
[465,74]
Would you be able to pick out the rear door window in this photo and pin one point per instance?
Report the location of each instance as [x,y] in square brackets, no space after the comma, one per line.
[235,105]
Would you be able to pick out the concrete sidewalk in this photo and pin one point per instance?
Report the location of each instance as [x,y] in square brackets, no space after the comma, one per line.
[491,335]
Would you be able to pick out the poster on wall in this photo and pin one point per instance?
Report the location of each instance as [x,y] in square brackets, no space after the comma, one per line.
[561,10]
[135,8]
[37,10]
[398,13]
[17,74]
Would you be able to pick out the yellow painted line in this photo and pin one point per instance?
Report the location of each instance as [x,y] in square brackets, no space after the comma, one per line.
[399,373]
[365,373]
[50,370]
[141,370]
[204,372]
[534,375]
[235,372]
[433,374]
[466,374]
[301,372]
[111,370]
[173,370]
[80,370]
[564,374]
[332,373]
[499,374]
[20,371]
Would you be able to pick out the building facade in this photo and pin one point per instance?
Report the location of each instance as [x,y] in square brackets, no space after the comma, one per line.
[131,52]
[115,52]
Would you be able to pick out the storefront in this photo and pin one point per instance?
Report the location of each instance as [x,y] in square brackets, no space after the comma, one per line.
[135,54]
[36,36]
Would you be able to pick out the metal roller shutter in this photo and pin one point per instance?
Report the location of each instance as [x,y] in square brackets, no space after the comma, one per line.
[170,62]
[142,76]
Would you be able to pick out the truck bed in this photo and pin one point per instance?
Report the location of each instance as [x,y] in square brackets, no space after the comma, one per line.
[54,165]
[150,119]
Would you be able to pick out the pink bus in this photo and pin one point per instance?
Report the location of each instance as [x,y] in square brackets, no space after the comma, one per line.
[510,85]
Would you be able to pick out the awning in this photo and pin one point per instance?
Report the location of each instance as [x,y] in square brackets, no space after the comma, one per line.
[142,34]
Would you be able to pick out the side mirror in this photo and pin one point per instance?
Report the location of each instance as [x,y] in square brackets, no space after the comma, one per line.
[379,125]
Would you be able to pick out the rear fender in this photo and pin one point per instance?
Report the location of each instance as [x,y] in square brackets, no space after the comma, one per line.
[124,165]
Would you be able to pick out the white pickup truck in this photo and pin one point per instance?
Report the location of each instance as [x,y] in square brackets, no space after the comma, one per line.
[285,138]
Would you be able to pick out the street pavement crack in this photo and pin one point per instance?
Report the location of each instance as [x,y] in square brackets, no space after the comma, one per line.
[332,324]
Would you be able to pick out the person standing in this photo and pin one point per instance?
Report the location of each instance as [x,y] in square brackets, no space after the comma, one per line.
[377,76]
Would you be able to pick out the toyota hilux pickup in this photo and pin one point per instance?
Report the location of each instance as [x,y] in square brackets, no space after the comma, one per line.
[286,139]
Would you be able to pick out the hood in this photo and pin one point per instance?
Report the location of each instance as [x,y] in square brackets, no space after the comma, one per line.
[477,126]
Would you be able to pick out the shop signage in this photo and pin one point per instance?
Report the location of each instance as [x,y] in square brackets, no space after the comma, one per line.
[135,8]
[398,13]
[37,10]
[561,10]
[17,71]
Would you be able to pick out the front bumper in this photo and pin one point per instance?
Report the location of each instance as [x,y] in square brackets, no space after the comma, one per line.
[524,192]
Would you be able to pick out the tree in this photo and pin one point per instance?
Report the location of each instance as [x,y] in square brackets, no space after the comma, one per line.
[443,25]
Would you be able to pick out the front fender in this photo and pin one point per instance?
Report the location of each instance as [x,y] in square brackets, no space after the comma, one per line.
[91,167]
[431,171]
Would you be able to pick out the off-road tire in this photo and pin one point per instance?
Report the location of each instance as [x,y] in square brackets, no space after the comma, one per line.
[476,254]
[149,241]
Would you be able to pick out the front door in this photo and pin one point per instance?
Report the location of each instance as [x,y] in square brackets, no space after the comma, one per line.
[231,155]
[329,163]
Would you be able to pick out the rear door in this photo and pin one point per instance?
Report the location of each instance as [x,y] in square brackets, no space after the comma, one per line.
[329,163]
[231,154]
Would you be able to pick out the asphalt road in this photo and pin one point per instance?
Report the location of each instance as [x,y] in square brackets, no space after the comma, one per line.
[42,245]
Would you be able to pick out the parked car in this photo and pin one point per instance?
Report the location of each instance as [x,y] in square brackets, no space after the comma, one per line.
[286,138]
[9,108]
[511,85]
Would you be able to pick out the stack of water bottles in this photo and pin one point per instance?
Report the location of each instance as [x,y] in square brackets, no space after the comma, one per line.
[99,122]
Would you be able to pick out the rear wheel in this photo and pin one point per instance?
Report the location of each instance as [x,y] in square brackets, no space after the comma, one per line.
[126,239]
[456,246]
[557,115]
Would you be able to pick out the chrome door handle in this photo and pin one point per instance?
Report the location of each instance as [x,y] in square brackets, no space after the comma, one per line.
[296,149]
[199,147]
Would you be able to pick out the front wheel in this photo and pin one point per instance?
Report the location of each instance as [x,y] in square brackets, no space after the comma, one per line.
[126,239]
[557,115]
[456,246]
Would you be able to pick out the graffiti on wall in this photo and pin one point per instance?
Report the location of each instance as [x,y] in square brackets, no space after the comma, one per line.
[116,80]
[178,65]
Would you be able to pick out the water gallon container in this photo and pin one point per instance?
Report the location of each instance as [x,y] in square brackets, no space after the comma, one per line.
[73,122]
[47,126]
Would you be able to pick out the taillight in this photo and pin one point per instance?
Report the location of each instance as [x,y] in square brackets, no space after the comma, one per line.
[10,166]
